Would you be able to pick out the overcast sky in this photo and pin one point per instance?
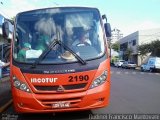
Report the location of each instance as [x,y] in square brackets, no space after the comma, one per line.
[126,15]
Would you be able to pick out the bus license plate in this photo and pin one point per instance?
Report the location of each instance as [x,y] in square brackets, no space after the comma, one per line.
[61,105]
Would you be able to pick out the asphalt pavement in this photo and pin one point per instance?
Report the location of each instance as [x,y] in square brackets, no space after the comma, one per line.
[5,93]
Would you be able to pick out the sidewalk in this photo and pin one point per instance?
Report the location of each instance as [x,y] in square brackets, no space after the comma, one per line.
[5,93]
[4,79]
[138,68]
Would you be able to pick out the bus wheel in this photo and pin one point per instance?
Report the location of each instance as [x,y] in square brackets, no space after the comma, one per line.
[142,69]
[150,70]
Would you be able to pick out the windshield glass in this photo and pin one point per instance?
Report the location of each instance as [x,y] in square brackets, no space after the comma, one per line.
[78,28]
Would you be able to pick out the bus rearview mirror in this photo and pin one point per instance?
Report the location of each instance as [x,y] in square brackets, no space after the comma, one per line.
[5,29]
[107,27]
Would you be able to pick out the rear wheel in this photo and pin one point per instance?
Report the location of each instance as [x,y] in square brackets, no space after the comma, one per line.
[142,70]
[151,70]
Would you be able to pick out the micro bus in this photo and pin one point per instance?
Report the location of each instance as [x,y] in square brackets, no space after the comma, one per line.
[51,69]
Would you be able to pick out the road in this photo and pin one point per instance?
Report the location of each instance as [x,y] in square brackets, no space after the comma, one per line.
[132,91]
[5,92]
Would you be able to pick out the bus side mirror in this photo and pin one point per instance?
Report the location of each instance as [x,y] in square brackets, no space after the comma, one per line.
[107,28]
[5,29]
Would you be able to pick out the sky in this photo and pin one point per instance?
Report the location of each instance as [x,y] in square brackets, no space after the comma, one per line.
[126,15]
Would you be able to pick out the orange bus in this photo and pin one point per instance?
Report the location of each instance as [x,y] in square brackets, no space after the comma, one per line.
[59,60]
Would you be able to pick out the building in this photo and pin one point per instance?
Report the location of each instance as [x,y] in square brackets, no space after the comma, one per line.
[135,39]
[116,35]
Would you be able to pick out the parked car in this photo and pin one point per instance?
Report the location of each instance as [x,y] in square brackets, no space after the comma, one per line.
[153,64]
[128,64]
[119,63]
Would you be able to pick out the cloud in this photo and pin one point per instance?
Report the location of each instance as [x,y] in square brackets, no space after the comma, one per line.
[133,27]
[16,6]
[148,25]
[12,7]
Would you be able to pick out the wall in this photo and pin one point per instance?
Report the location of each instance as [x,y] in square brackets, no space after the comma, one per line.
[139,37]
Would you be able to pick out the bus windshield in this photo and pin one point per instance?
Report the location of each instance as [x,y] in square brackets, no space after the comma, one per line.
[77,28]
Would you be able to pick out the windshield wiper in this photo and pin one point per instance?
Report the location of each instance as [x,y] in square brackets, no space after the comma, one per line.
[71,51]
[55,42]
[44,53]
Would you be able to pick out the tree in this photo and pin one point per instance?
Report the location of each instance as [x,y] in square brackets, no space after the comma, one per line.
[143,50]
[128,53]
[155,48]
[116,47]
[13,18]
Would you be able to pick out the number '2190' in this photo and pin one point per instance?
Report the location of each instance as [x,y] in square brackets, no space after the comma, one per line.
[78,78]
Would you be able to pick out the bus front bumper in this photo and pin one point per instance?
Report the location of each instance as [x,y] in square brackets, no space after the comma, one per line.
[43,103]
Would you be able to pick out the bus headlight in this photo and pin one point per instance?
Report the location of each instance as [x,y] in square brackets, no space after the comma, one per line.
[20,85]
[100,80]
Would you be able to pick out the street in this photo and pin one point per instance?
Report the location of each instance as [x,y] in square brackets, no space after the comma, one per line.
[132,91]
[5,92]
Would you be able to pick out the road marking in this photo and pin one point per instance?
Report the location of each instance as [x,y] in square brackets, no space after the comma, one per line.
[126,72]
[6,105]
[142,72]
[134,73]
[157,73]
[118,72]
[150,73]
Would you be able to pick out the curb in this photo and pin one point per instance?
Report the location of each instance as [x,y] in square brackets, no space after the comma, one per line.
[6,105]
[5,79]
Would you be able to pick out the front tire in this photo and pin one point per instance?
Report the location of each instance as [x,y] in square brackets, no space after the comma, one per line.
[142,70]
[151,70]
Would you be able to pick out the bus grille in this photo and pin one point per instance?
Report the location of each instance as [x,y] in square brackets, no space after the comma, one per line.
[66,87]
